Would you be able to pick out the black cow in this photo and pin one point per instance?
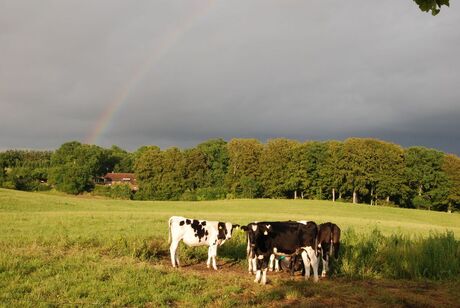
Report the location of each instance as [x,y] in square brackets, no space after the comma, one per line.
[328,242]
[282,239]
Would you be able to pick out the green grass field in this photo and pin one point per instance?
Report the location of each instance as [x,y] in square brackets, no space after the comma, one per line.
[59,249]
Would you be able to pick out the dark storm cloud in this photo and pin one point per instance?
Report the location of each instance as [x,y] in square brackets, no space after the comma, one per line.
[260,69]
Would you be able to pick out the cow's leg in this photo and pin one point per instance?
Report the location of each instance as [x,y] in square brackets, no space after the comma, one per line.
[277,265]
[272,260]
[325,265]
[214,254]
[264,276]
[251,266]
[306,263]
[208,263]
[249,254]
[314,261]
[259,261]
[254,264]
[173,251]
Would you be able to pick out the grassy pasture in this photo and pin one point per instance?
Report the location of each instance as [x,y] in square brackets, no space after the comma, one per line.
[59,249]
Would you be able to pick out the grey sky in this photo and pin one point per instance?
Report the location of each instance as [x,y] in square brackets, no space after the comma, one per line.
[235,68]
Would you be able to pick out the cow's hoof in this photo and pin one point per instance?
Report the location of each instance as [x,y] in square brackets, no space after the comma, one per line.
[323,275]
[270,269]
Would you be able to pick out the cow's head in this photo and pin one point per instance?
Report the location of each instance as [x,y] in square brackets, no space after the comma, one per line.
[225,230]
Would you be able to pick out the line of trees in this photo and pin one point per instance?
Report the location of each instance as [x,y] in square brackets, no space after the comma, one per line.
[356,170]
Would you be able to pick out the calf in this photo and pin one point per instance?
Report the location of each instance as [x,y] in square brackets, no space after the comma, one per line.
[282,239]
[195,232]
[328,242]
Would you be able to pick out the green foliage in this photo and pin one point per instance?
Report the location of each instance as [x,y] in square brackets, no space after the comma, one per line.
[425,176]
[75,165]
[119,160]
[28,179]
[244,168]
[161,174]
[431,5]
[451,167]
[217,160]
[359,169]
[374,255]
[121,191]
[101,190]
[275,176]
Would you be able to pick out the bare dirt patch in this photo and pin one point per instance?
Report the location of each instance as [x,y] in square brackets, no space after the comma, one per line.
[283,290]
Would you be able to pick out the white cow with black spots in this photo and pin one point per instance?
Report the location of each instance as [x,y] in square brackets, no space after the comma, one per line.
[195,232]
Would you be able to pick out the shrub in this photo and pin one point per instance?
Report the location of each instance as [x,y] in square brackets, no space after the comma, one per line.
[121,191]
[210,193]
[188,196]
[101,190]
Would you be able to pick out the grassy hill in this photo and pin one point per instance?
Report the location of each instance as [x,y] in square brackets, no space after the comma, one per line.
[60,249]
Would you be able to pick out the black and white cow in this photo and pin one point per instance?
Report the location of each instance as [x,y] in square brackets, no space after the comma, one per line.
[328,242]
[195,232]
[275,261]
[281,239]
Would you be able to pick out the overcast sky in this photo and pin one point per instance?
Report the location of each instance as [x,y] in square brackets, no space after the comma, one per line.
[180,72]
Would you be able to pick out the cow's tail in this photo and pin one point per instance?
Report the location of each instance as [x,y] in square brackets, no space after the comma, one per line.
[169,230]
[331,242]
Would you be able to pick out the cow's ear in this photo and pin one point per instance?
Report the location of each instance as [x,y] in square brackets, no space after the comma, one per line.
[236,226]
[244,228]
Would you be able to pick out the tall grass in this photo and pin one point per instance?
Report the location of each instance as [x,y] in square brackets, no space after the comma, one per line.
[362,255]
[373,255]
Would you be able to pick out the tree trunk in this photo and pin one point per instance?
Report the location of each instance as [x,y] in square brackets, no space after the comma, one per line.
[295,194]
[340,195]
[388,199]
[301,194]
[372,196]
[355,197]
[420,190]
[333,194]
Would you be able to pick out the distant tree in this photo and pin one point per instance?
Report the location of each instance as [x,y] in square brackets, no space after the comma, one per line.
[316,154]
[148,169]
[217,160]
[2,170]
[451,167]
[427,181]
[161,174]
[355,165]
[331,173]
[119,160]
[75,165]
[298,181]
[244,169]
[275,175]
[27,178]
[388,173]
[195,166]
[172,183]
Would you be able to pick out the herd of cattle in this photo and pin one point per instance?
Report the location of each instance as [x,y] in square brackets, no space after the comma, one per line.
[295,244]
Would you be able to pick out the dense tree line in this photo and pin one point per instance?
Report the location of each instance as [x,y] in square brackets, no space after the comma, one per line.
[355,170]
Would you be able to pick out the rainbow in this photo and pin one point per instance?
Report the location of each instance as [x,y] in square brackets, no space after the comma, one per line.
[168,42]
